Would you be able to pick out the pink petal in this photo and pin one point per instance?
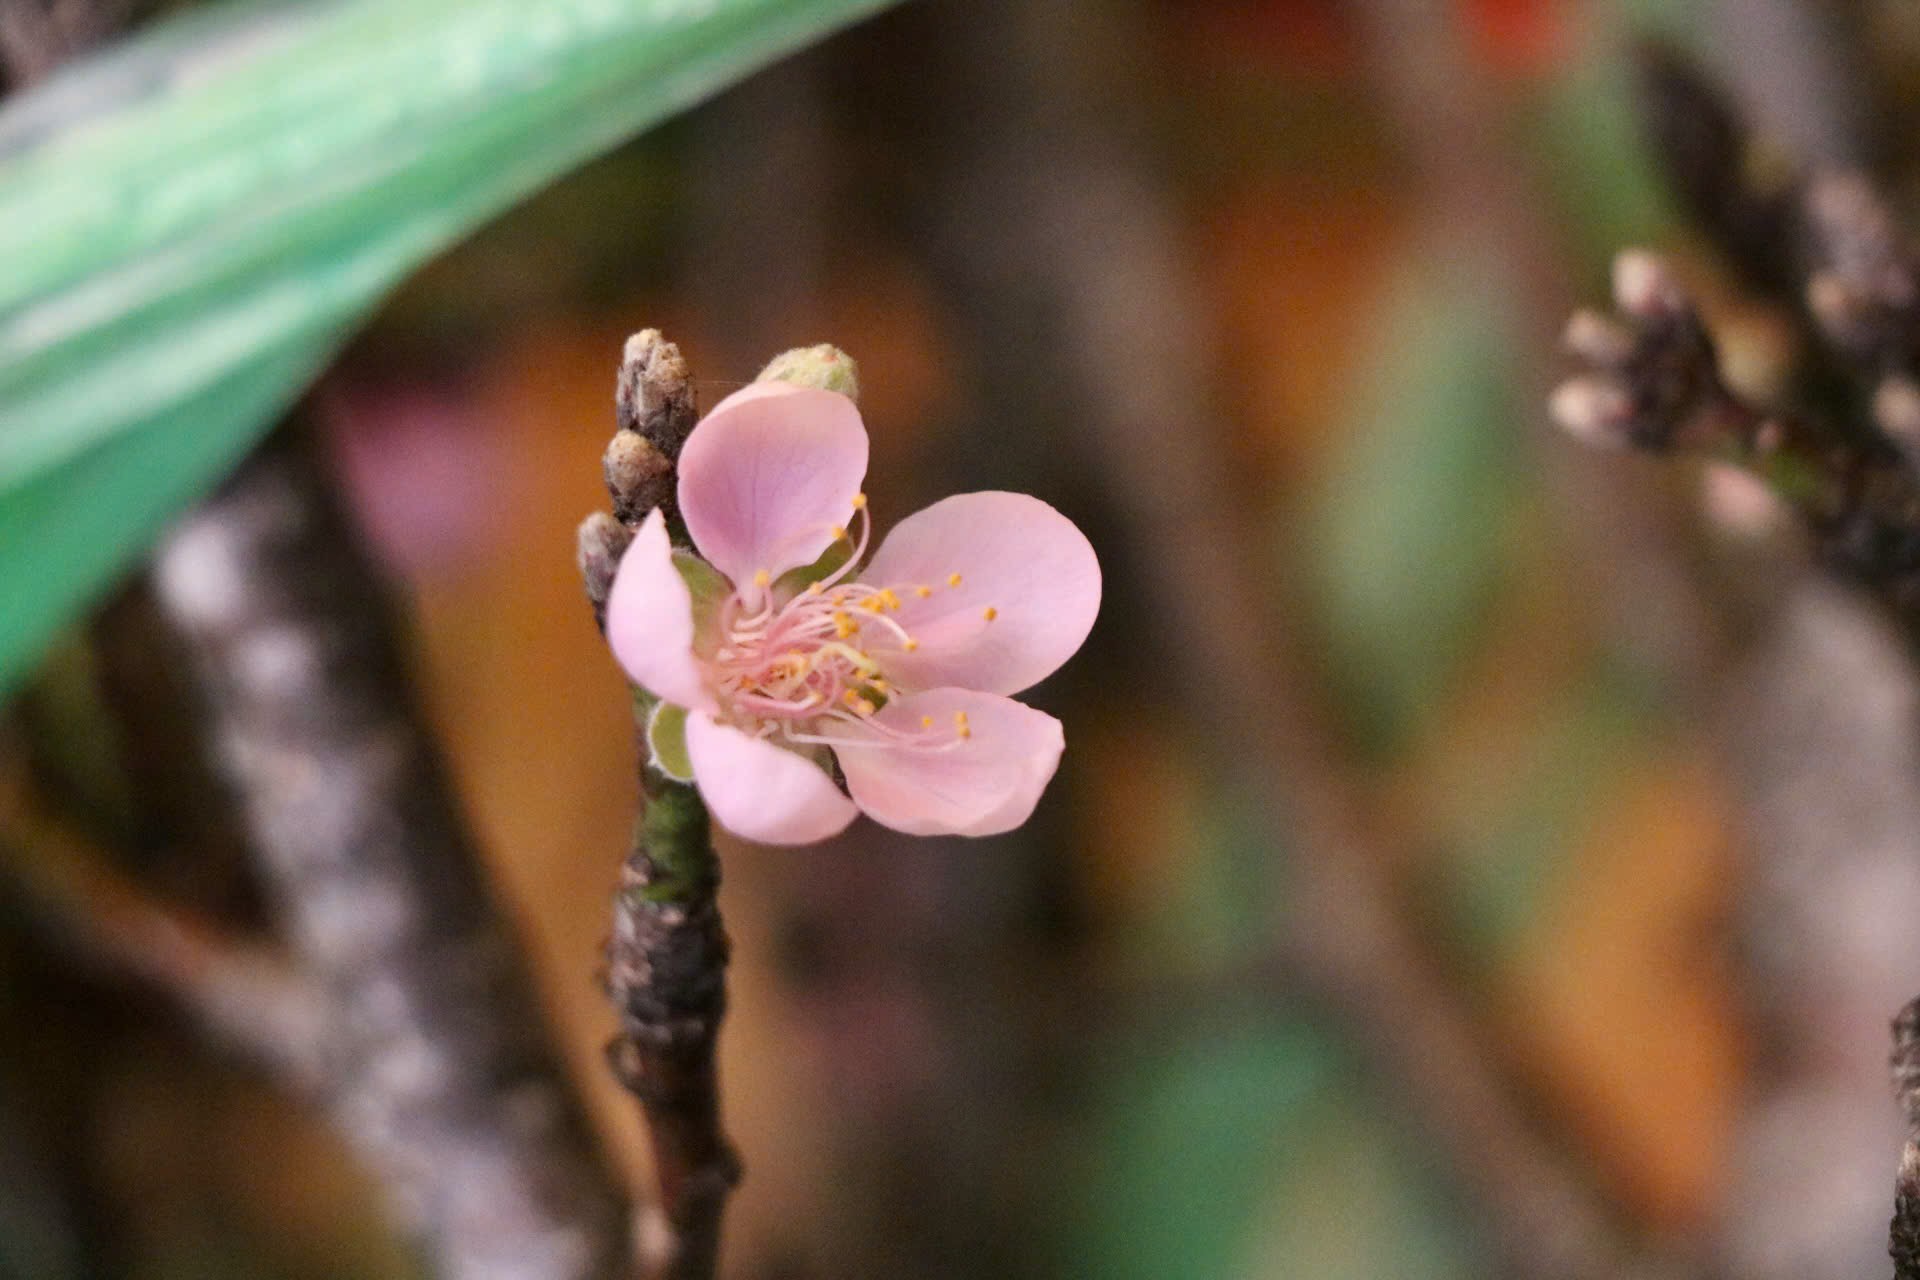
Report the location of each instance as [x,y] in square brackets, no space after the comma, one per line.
[985,784]
[760,791]
[768,475]
[650,620]
[1015,555]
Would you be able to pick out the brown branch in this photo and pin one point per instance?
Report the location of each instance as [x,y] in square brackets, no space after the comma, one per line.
[1863,290]
[36,36]
[1716,168]
[666,974]
[244,995]
[445,1078]
[667,956]
[1824,241]
[1821,734]
[1904,1235]
[437,1065]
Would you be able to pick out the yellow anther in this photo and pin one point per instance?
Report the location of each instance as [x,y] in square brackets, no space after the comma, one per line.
[843,625]
[923,592]
[889,599]
[839,533]
[990,613]
[873,604]
[880,685]
[762,578]
[926,722]
[953,579]
[815,588]
[960,724]
[860,705]
[909,644]
[859,501]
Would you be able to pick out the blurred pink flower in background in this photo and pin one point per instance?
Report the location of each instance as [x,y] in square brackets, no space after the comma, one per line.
[421,463]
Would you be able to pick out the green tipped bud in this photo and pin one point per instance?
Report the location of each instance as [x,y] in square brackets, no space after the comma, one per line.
[825,366]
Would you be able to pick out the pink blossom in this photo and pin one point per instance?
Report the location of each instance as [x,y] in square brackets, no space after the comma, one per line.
[900,670]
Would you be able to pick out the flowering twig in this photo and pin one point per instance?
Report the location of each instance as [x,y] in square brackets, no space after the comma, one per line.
[1821,247]
[1864,292]
[1713,165]
[443,1076]
[1824,241]
[1652,382]
[777,662]
[667,956]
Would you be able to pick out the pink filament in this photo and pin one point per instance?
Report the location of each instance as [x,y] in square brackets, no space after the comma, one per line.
[789,667]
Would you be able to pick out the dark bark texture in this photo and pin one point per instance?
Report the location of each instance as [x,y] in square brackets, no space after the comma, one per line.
[667,955]
[442,1074]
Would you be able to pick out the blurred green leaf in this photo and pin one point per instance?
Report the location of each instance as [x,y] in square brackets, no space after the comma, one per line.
[1586,136]
[1406,536]
[1355,1201]
[190,225]
[1246,1148]
[1507,864]
[1588,145]
[1187,1132]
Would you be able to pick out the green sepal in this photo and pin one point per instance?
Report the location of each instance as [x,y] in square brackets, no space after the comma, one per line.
[709,587]
[667,741]
[794,581]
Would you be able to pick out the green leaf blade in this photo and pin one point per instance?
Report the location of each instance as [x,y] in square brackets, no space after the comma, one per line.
[190,226]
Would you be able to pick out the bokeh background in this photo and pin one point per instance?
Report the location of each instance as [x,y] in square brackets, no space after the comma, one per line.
[1407,727]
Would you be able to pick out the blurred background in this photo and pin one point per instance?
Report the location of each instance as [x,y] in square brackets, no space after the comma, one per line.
[1469,849]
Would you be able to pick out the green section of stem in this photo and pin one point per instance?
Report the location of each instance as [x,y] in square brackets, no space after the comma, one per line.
[675,837]
[1793,477]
